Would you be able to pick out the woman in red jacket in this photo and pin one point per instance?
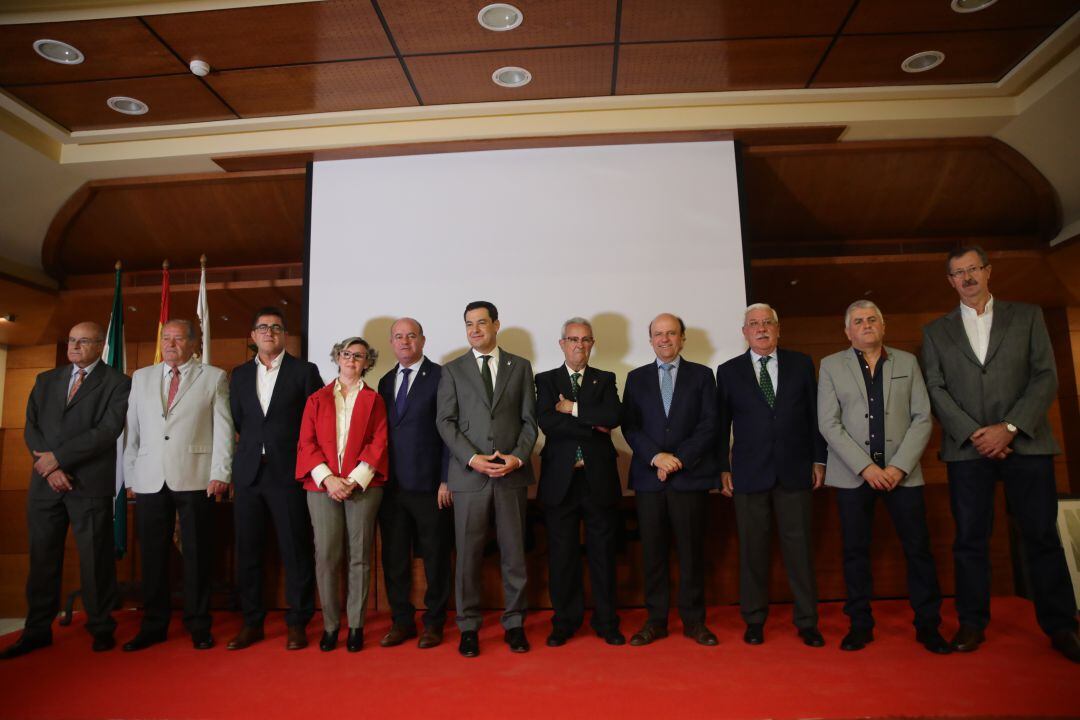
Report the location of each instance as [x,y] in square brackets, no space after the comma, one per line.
[342,461]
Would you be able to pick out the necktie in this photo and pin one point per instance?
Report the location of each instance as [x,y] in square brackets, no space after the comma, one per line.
[575,386]
[79,377]
[667,386]
[174,385]
[402,393]
[766,382]
[485,372]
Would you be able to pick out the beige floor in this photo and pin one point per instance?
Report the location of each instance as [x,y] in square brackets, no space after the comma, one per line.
[10,625]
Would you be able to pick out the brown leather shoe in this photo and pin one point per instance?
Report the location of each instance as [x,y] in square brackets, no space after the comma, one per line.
[431,637]
[248,636]
[397,635]
[967,639]
[648,634]
[700,634]
[296,638]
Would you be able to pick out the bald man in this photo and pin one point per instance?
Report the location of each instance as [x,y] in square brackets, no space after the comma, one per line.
[73,417]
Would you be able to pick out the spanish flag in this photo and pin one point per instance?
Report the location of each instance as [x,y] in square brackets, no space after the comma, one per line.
[164,317]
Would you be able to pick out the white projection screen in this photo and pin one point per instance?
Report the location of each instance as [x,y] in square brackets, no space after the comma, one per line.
[615,234]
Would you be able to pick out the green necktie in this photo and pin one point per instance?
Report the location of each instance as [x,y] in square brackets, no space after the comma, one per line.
[575,386]
[485,373]
[766,382]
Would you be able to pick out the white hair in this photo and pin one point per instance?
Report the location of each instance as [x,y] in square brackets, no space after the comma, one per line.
[862,305]
[575,321]
[760,306]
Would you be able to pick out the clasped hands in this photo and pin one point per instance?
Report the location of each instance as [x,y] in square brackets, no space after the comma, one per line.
[993,441]
[47,466]
[666,464]
[339,488]
[881,478]
[486,464]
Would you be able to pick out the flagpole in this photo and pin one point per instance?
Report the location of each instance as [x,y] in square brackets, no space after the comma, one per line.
[202,311]
[163,316]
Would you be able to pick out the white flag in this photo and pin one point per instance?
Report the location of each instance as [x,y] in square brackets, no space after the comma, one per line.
[202,310]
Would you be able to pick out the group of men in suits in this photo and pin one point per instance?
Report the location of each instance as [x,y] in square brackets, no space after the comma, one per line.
[761,430]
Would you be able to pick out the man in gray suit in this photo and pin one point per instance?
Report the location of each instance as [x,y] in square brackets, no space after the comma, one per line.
[875,415]
[177,458]
[486,416]
[991,374]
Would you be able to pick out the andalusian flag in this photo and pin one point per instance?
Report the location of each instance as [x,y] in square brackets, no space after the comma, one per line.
[202,310]
[164,317]
[115,355]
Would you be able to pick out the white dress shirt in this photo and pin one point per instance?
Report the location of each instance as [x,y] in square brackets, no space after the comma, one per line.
[399,375]
[770,367]
[571,371]
[493,363]
[266,379]
[344,400]
[977,327]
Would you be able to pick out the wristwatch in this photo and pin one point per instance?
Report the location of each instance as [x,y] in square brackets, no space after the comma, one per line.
[1010,427]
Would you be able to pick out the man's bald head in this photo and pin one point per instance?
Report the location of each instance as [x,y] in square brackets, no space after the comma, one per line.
[85,343]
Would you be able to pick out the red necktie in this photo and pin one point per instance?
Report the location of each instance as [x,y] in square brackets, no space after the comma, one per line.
[77,384]
[174,385]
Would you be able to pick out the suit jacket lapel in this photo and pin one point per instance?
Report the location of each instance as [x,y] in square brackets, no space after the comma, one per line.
[679,390]
[60,388]
[998,328]
[588,383]
[783,379]
[954,323]
[749,373]
[282,372]
[473,373]
[507,364]
[185,385]
[887,366]
[92,381]
[852,363]
[361,412]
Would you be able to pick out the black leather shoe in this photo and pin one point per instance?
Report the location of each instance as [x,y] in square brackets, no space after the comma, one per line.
[103,642]
[515,638]
[811,637]
[24,645]
[701,635]
[931,639]
[469,646]
[558,637]
[613,637]
[355,642]
[857,639]
[968,639]
[202,640]
[1067,643]
[328,641]
[143,640]
[755,634]
[648,634]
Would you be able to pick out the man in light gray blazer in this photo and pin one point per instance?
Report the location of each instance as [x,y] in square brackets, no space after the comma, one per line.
[992,378]
[874,413]
[486,416]
[177,458]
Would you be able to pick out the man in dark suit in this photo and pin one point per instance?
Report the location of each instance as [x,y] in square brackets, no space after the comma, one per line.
[73,417]
[416,499]
[669,420]
[991,376]
[577,406]
[777,460]
[487,417]
[267,396]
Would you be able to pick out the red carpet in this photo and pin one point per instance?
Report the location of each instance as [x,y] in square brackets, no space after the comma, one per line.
[1016,674]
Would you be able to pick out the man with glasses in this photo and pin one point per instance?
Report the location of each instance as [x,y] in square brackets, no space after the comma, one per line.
[991,375]
[74,415]
[577,406]
[267,397]
[777,461]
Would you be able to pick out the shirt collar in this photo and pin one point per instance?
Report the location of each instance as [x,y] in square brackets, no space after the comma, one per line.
[414,367]
[494,354]
[274,364]
[883,358]
[970,312]
[757,358]
[571,371]
[182,368]
[674,363]
[338,387]
[89,368]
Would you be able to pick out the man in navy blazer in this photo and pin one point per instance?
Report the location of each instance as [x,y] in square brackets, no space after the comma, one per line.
[669,420]
[777,460]
[267,397]
[416,501]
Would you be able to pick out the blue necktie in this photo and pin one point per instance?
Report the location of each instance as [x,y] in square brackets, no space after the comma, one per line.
[667,387]
[403,391]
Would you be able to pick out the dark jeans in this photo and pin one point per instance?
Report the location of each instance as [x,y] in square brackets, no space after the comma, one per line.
[1031,498]
[682,514]
[907,508]
[407,518]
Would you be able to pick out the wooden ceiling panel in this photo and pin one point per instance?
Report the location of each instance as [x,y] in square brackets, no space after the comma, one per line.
[889,16]
[644,20]
[276,34]
[451,26]
[82,106]
[713,66]
[556,72]
[326,87]
[112,48]
[970,57]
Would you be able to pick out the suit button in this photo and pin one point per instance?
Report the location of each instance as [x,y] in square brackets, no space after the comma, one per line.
[865,415]
[866,443]
[166,437]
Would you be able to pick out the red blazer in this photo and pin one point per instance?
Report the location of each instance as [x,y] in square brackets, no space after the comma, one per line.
[367,439]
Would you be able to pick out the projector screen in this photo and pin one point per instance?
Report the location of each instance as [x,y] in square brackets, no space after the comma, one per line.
[615,234]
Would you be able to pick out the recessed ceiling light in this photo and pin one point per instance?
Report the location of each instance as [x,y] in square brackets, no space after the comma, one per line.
[128,106]
[923,61]
[970,6]
[58,52]
[499,17]
[511,77]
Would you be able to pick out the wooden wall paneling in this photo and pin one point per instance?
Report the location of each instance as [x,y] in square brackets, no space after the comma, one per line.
[16,462]
[17,386]
[13,535]
[918,16]
[715,66]
[13,590]
[33,308]
[647,20]
[32,356]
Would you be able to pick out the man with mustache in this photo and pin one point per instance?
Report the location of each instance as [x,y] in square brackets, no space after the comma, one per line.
[992,378]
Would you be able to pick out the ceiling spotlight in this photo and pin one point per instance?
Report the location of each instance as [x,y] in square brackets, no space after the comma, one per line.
[132,308]
[923,61]
[794,282]
[7,317]
[970,6]
[58,52]
[499,17]
[128,106]
[199,68]
[511,77]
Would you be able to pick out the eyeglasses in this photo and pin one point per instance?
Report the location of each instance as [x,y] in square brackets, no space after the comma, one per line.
[82,342]
[583,340]
[755,324]
[346,355]
[966,271]
[263,328]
